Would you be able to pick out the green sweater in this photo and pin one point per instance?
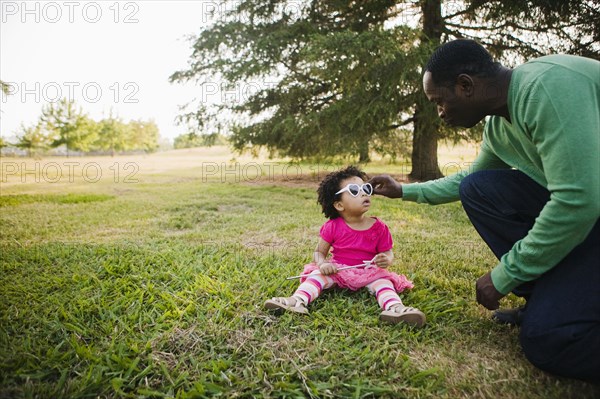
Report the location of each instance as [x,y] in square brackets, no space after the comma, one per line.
[554,138]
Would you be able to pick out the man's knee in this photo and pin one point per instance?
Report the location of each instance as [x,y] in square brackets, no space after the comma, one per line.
[538,348]
[568,351]
[470,187]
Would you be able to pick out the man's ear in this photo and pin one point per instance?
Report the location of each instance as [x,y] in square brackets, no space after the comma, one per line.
[465,85]
[338,206]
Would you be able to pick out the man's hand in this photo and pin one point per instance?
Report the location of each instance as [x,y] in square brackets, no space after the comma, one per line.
[487,295]
[385,185]
[327,268]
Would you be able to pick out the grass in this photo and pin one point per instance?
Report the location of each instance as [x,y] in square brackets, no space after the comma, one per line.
[153,287]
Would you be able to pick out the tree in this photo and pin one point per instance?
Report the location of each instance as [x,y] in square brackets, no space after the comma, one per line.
[529,28]
[344,77]
[329,82]
[113,135]
[509,30]
[4,87]
[143,135]
[32,139]
[3,143]
[69,126]
[192,140]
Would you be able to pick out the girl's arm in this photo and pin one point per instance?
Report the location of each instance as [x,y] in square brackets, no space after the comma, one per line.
[320,258]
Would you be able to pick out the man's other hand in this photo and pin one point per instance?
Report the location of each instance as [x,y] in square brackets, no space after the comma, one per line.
[487,295]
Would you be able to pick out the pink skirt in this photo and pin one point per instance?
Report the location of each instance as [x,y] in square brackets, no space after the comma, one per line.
[355,279]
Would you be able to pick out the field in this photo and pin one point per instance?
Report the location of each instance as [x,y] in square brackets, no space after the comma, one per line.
[144,276]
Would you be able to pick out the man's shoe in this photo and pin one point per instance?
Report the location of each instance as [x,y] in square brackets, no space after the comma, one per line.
[512,317]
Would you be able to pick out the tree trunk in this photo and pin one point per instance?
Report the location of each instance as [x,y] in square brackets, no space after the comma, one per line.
[363,156]
[424,152]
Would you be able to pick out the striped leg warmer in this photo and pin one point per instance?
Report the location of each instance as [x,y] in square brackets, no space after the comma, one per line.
[310,289]
[385,293]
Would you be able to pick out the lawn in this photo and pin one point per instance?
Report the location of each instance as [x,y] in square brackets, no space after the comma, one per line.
[144,276]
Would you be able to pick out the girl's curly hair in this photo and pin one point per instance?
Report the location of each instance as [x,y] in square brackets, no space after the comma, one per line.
[331,184]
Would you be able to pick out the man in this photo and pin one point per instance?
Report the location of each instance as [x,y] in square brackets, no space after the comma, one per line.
[533,193]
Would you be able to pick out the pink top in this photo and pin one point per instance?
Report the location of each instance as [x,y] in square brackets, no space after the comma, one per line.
[351,247]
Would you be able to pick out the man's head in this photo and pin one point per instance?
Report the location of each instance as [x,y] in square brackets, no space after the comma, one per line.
[457,79]
[458,57]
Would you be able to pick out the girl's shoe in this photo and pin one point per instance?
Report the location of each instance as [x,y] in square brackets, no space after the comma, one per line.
[399,313]
[286,303]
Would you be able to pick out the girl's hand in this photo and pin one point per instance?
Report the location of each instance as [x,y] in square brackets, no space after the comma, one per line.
[383,260]
[327,268]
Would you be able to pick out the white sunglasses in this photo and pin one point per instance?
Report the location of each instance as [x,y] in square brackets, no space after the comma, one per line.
[355,189]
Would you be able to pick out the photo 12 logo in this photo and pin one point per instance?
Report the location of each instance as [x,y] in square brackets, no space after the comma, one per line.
[241,92]
[216,10]
[54,172]
[88,92]
[53,12]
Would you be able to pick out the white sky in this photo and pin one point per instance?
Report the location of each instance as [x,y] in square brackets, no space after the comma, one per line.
[103,54]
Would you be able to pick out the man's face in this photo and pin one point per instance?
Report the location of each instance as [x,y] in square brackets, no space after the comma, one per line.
[455,104]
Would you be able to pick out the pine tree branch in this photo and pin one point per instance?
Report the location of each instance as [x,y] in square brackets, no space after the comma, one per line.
[403,123]
[301,74]
[534,28]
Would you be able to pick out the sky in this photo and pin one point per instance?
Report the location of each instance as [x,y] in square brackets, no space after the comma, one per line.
[107,56]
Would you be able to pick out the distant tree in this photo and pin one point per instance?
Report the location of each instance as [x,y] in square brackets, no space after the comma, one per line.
[191,140]
[69,126]
[32,139]
[3,143]
[113,135]
[187,140]
[143,135]
[4,87]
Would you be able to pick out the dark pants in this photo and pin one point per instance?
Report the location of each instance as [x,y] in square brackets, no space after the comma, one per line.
[560,332]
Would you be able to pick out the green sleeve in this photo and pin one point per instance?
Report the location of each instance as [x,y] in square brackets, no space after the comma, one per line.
[445,190]
[564,126]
